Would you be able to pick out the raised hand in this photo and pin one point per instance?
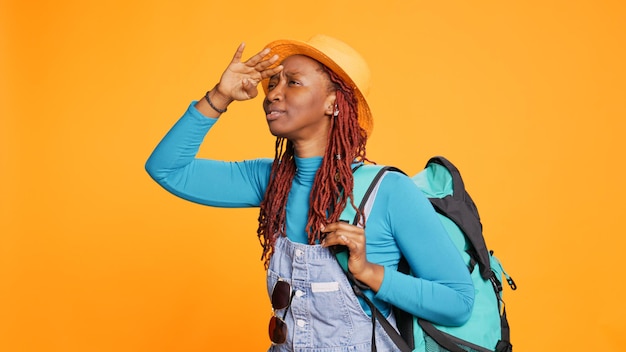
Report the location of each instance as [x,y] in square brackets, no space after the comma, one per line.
[240,80]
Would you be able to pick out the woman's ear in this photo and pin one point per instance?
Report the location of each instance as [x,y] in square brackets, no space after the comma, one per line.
[330,105]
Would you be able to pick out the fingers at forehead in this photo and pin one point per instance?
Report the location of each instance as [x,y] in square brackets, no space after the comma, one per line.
[262,65]
[258,57]
[272,71]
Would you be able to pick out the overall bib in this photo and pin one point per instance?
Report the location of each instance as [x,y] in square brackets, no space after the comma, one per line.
[325,315]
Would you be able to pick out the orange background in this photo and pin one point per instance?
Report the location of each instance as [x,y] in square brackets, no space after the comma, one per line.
[526,97]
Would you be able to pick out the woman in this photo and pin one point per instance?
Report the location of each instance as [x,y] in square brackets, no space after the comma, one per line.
[315,107]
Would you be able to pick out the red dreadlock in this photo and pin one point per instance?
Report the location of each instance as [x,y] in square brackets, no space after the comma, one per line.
[346,143]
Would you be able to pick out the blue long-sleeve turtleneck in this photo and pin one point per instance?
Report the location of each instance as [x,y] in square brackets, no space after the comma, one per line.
[401,220]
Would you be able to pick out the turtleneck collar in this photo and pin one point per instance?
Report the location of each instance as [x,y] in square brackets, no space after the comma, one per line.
[307,168]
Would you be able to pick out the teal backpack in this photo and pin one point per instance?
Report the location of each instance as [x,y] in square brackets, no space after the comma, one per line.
[487,329]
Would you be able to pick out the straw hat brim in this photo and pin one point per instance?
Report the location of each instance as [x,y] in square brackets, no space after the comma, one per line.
[285,48]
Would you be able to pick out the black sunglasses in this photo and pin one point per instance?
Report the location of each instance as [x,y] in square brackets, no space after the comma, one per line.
[281,299]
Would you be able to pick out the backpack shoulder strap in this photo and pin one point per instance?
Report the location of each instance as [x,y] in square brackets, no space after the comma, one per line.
[366,182]
[366,178]
[460,208]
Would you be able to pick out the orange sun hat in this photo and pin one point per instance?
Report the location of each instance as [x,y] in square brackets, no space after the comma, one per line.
[342,59]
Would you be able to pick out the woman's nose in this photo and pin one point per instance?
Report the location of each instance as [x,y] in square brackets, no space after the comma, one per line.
[276,92]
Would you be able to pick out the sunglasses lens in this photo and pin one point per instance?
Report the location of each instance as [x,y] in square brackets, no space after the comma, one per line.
[277,330]
[281,295]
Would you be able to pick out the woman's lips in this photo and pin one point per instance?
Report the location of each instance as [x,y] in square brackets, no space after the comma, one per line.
[274,114]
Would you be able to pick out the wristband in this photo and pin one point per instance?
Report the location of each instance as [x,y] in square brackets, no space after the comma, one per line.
[206,96]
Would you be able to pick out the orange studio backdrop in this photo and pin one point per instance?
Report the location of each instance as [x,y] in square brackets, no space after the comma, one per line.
[526,97]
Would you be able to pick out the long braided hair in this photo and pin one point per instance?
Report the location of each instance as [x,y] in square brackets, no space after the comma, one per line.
[346,144]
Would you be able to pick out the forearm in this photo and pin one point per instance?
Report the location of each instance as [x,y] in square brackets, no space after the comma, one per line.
[213,104]
[372,276]
[174,166]
[439,287]
[448,303]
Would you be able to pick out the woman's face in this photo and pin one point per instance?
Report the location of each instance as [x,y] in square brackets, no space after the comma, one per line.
[299,100]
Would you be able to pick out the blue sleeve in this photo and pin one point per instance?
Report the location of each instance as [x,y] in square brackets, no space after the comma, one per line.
[174,166]
[440,289]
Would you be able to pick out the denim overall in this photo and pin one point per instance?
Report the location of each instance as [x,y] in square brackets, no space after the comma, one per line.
[325,315]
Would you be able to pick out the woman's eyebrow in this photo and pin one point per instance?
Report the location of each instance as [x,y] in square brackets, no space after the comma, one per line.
[286,74]
[293,71]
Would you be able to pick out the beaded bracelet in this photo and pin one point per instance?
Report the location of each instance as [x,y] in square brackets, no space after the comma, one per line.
[206,96]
